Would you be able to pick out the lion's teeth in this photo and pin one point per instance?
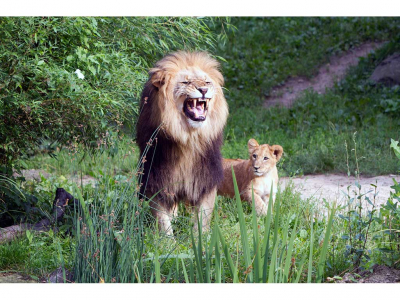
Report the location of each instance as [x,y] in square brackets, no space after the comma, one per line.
[194,102]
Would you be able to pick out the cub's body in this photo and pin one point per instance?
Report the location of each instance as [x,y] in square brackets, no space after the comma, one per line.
[258,174]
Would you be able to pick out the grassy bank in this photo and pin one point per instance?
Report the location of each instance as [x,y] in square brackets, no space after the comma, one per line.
[264,52]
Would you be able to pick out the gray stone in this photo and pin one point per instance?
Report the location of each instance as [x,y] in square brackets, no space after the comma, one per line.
[388,71]
[57,276]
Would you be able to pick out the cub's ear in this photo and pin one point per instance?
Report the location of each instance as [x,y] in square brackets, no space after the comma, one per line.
[252,144]
[277,150]
[157,77]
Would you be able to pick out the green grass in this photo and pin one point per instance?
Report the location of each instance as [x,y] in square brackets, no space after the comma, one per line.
[37,254]
[264,52]
[239,247]
[291,244]
[120,159]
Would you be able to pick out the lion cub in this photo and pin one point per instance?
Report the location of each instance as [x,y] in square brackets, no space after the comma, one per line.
[259,172]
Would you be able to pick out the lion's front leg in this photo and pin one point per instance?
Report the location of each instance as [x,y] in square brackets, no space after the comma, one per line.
[260,205]
[163,216]
[266,198]
[204,212]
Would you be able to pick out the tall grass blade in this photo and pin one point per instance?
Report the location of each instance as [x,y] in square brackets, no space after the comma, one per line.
[256,243]
[198,254]
[62,261]
[82,203]
[157,268]
[289,253]
[300,269]
[243,231]
[322,258]
[271,275]
[185,274]
[267,234]
[277,208]
[310,260]
[228,257]
[280,256]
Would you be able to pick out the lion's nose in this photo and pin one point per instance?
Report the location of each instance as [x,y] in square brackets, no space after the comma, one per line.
[256,168]
[203,90]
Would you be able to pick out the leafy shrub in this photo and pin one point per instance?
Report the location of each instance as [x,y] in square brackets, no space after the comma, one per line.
[391,218]
[78,79]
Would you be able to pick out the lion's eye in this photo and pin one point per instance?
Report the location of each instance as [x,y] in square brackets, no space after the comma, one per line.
[185,82]
[266,158]
[254,155]
[208,82]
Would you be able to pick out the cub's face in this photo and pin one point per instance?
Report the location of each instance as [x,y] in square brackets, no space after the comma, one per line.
[194,94]
[263,157]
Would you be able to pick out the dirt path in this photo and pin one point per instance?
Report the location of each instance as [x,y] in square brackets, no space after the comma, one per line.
[329,187]
[15,278]
[333,187]
[327,75]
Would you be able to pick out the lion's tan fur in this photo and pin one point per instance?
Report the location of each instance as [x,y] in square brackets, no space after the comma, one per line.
[246,178]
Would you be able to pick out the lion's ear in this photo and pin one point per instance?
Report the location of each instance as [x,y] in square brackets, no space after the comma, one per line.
[252,144]
[277,150]
[157,77]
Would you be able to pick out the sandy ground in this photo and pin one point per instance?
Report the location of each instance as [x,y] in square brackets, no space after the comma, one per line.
[333,188]
[327,75]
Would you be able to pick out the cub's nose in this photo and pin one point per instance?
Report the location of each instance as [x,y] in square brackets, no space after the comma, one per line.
[256,168]
[203,90]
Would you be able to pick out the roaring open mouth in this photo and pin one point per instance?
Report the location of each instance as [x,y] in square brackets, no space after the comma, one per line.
[196,109]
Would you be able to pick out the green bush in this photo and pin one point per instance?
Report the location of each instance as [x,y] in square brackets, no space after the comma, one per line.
[44,96]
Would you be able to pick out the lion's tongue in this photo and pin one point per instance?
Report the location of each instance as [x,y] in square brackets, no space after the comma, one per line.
[197,110]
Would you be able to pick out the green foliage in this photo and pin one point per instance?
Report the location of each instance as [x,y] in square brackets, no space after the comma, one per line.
[16,205]
[37,254]
[390,220]
[395,147]
[42,97]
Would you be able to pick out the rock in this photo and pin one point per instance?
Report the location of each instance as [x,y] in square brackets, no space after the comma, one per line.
[388,71]
[32,174]
[57,276]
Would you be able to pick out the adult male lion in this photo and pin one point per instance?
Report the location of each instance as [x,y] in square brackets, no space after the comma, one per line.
[183,161]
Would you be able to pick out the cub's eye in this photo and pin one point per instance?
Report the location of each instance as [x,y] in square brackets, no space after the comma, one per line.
[266,158]
[254,155]
[185,82]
